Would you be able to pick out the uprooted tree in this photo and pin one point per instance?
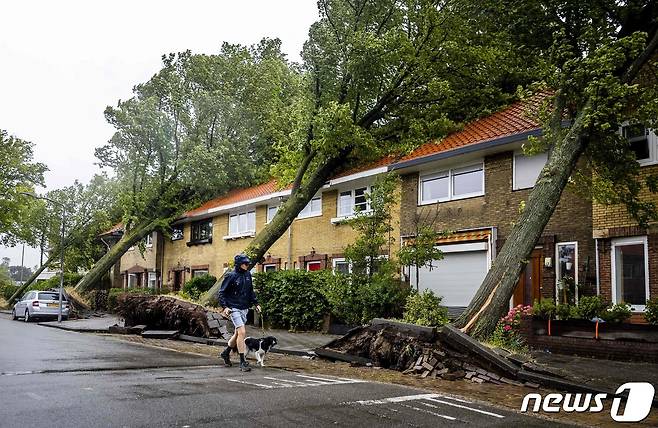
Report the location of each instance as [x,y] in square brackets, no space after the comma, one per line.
[599,60]
[200,126]
[381,78]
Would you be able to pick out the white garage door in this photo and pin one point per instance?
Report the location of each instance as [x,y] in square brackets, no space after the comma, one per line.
[457,276]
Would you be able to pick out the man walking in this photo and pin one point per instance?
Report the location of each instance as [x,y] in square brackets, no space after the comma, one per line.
[237,295]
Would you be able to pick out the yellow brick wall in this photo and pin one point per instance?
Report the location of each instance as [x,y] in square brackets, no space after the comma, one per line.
[606,217]
[306,234]
[134,258]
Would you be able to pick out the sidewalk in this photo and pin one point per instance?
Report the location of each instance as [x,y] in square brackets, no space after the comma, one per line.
[602,374]
[289,343]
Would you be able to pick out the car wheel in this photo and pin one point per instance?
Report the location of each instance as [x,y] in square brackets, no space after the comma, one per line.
[27,316]
[13,315]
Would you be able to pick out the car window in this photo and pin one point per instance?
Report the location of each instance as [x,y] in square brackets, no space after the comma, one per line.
[30,296]
[25,296]
[50,296]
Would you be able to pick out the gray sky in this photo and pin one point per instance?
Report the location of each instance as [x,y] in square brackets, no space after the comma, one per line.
[63,62]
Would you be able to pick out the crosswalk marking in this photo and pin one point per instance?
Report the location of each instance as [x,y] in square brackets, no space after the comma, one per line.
[301,381]
[418,409]
[484,412]
[250,383]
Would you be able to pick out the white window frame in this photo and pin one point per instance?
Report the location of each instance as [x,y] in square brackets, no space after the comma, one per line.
[314,262]
[620,242]
[652,141]
[270,265]
[152,276]
[352,213]
[267,214]
[558,274]
[250,230]
[132,275]
[148,240]
[337,260]
[311,213]
[182,232]
[451,176]
[514,168]
[199,272]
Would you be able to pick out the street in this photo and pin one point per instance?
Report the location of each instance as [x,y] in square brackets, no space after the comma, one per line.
[54,378]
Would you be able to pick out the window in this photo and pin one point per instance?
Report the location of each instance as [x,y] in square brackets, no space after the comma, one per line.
[269,268]
[148,240]
[132,280]
[312,209]
[271,212]
[453,184]
[527,169]
[341,266]
[177,232]
[313,266]
[630,272]
[242,223]
[567,272]
[199,272]
[202,231]
[353,201]
[153,280]
[638,138]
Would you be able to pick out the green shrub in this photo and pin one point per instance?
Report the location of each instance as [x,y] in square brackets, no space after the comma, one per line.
[651,311]
[544,308]
[292,298]
[564,311]
[70,279]
[425,309]
[198,285]
[590,307]
[617,313]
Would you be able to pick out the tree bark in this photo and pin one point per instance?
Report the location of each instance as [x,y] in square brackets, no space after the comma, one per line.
[492,298]
[130,238]
[33,277]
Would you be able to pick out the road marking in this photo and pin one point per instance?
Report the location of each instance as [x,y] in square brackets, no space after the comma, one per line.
[336,380]
[33,395]
[250,383]
[396,399]
[284,380]
[450,418]
[484,412]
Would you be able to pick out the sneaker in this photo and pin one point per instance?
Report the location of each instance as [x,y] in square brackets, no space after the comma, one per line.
[244,367]
[226,356]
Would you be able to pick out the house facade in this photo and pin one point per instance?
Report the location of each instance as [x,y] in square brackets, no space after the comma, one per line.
[627,254]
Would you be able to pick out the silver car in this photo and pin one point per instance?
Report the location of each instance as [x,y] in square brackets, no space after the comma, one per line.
[40,304]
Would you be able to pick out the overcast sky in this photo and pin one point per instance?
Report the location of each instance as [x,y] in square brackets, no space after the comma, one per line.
[62,62]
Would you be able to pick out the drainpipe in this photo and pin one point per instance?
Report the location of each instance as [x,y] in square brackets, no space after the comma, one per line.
[598,283]
[290,247]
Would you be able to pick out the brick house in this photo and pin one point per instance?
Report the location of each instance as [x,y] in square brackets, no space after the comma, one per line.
[473,183]
[627,254]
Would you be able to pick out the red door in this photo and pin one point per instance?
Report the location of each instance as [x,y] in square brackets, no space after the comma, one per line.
[527,290]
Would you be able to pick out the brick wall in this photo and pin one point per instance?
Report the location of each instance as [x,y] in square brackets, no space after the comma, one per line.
[622,350]
[499,207]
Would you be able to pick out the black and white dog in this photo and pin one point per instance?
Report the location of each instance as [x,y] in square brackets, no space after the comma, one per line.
[260,347]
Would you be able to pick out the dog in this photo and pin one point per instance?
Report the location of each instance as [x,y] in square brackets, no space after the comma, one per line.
[260,347]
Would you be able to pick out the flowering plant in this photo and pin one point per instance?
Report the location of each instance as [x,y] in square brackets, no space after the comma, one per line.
[506,334]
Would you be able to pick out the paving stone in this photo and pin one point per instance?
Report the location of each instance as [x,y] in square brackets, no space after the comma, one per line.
[531,385]
[477,380]
[427,366]
[469,375]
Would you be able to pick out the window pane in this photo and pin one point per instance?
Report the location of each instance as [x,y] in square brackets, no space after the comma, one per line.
[242,222]
[306,211]
[641,148]
[435,188]
[313,266]
[342,267]
[467,181]
[233,225]
[271,212]
[345,204]
[566,273]
[360,199]
[177,233]
[629,272]
[527,169]
[251,221]
[316,205]
[270,268]
[638,140]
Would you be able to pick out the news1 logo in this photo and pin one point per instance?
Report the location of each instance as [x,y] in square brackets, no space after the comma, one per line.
[637,403]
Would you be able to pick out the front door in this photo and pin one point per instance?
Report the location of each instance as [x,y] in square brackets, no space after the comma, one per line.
[178,278]
[527,289]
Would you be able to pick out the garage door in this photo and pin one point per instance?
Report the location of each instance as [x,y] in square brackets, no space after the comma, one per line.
[457,276]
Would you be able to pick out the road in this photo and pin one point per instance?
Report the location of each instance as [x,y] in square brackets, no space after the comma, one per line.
[54,378]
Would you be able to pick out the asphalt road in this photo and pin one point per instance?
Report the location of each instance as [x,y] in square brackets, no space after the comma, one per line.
[54,378]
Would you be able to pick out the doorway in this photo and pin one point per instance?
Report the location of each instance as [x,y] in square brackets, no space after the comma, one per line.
[528,288]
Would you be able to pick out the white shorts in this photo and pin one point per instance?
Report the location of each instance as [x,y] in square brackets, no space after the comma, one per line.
[239,317]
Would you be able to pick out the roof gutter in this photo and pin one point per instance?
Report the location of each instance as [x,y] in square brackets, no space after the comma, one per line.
[466,149]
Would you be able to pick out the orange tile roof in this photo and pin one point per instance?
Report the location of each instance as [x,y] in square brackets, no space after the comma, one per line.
[116,228]
[512,120]
[235,195]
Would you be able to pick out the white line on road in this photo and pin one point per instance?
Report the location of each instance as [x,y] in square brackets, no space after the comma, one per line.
[484,412]
[418,409]
[396,399]
[250,383]
[33,395]
[336,380]
[284,380]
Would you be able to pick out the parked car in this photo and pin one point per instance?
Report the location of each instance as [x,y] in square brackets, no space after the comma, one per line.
[40,305]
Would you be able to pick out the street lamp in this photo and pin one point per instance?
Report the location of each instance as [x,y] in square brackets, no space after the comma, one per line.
[61,259]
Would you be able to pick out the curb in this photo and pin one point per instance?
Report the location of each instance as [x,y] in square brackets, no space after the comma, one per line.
[74,329]
[220,342]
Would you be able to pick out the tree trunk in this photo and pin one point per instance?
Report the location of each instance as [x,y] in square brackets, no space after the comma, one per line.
[33,277]
[130,238]
[492,299]
[284,216]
